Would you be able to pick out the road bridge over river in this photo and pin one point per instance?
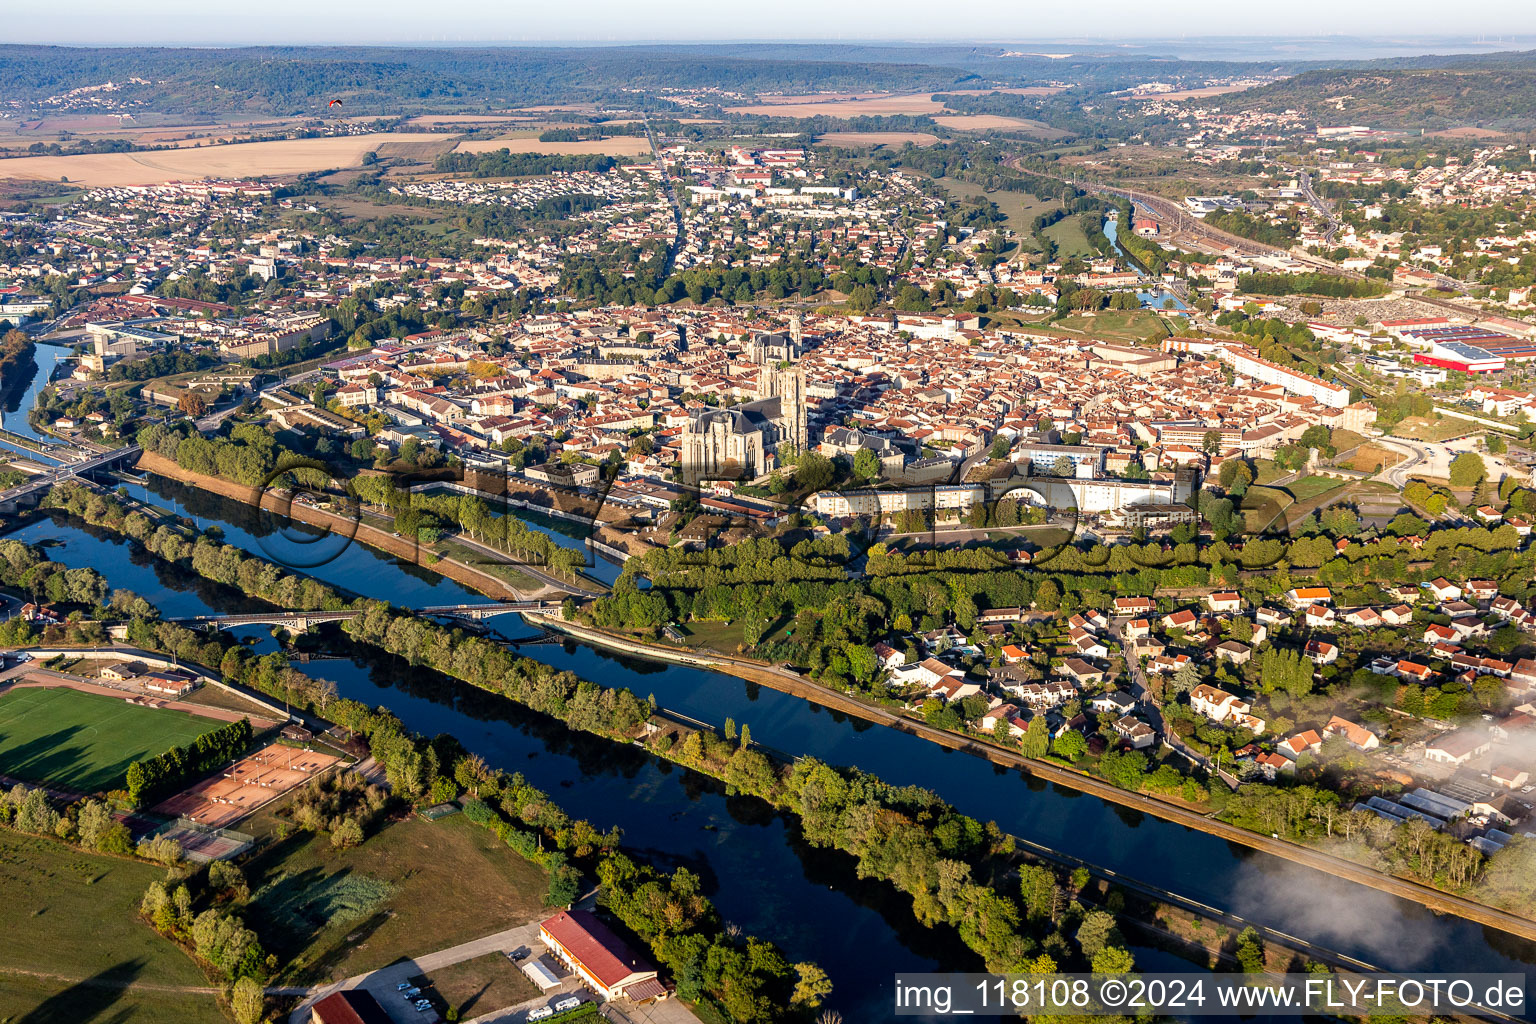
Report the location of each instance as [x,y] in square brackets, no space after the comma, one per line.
[304,620]
[30,491]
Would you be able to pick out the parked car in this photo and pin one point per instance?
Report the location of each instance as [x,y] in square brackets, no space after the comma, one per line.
[518,954]
[412,992]
[402,986]
[541,1013]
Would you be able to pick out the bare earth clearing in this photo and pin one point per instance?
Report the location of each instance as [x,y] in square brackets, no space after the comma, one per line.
[254,159]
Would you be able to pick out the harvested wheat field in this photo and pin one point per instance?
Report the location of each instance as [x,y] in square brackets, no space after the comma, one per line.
[246,160]
[865,140]
[419,148]
[621,145]
[871,106]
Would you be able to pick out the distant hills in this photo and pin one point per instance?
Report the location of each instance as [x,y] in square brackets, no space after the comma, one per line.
[1500,94]
[1428,91]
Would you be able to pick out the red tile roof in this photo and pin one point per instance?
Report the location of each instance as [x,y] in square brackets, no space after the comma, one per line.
[349,1007]
[593,943]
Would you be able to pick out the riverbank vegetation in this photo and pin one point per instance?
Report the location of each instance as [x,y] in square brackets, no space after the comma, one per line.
[16,348]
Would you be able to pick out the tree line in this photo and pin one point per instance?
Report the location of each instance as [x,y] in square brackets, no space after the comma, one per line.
[172,769]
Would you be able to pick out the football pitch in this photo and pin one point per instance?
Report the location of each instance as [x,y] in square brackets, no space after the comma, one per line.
[84,741]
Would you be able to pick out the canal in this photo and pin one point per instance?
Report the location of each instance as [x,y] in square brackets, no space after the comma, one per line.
[1152,297]
[20,400]
[764,878]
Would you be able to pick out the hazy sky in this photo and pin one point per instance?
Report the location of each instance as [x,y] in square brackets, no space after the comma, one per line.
[460,21]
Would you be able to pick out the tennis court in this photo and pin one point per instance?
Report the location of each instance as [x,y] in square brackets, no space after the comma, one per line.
[84,741]
[225,798]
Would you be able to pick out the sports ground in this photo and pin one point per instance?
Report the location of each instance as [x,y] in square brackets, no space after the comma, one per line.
[84,741]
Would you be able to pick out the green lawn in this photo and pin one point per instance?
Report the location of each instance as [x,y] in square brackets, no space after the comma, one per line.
[1121,326]
[415,887]
[1068,235]
[75,948]
[85,741]
[1020,208]
[1432,428]
[1309,487]
[477,986]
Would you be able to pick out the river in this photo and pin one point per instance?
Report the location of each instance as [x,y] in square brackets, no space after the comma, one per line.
[762,876]
[18,403]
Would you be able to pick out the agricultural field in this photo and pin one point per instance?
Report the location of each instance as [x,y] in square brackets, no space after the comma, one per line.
[87,957]
[244,160]
[998,122]
[414,887]
[870,140]
[84,741]
[619,145]
[871,105]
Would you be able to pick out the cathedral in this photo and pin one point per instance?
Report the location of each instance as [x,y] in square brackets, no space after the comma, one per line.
[740,443]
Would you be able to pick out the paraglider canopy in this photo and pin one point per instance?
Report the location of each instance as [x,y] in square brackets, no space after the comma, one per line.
[334,103]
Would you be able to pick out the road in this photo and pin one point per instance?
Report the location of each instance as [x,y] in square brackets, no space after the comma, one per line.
[1141,689]
[666,184]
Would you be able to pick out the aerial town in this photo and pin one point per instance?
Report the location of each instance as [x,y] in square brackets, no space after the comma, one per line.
[532,561]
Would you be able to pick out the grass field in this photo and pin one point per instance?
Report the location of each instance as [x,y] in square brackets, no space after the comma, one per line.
[253,159]
[1309,487]
[1432,428]
[861,140]
[1119,325]
[1068,235]
[86,957]
[415,887]
[477,986]
[1019,207]
[84,741]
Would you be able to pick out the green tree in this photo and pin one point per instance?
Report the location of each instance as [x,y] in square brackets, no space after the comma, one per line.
[866,464]
[1070,745]
[1113,960]
[811,986]
[1037,738]
[1468,470]
[247,1001]
[1097,933]
[1250,951]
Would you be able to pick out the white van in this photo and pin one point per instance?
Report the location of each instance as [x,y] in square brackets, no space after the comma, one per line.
[568,1004]
[541,1013]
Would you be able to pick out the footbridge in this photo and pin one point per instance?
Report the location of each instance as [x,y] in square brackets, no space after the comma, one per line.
[30,491]
[304,620]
